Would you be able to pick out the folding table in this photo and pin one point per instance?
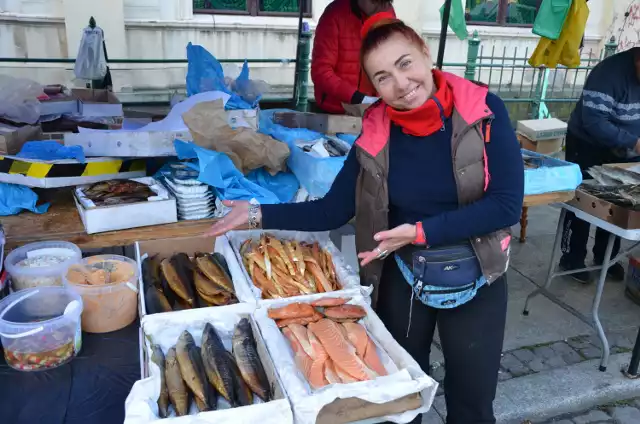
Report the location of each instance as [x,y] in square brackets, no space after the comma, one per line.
[594,322]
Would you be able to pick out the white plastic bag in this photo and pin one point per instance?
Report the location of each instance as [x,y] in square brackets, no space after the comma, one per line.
[91,63]
[20,99]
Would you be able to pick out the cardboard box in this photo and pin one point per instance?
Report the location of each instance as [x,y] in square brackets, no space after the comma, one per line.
[319,122]
[617,215]
[545,147]
[97,103]
[59,106]
[121,217]
[13,138]
[542,129]
[126,143]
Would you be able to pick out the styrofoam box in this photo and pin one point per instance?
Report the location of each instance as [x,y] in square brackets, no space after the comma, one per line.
[122,217]
[542,129]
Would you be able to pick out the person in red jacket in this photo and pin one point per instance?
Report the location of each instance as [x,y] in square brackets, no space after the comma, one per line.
[335,62]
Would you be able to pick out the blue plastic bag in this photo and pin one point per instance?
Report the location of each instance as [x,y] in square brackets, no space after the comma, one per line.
[50,150]
[204,73]
[218,171]
[550,175]
[14,198]
[315,174]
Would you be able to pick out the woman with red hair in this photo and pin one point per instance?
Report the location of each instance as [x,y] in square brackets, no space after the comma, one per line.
[435,181]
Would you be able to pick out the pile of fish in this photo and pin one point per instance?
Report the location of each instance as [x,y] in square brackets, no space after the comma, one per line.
[117,192]
[178,282]
[615,185]
[284,268]
[329,347]
[205,373]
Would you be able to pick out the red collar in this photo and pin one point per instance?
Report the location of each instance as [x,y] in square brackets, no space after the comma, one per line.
[428,118]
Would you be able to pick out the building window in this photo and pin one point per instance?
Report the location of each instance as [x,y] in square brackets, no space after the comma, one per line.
[252,7]
[502,12]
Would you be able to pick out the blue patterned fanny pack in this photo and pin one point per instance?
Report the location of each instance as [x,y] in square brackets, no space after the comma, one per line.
[443,278]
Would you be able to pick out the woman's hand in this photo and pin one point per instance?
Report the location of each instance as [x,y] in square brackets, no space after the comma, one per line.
[390,241]
[236,219]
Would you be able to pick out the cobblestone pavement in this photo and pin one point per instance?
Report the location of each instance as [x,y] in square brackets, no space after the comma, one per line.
[533,359]
[625,412]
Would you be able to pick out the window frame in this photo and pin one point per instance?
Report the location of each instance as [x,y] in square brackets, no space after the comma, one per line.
[253,9]
[501,18]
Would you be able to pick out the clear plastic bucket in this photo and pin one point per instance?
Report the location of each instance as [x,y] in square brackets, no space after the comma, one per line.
[40,327]
[108,285]
[41,264]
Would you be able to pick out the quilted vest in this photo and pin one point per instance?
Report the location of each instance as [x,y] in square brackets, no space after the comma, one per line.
[471,176]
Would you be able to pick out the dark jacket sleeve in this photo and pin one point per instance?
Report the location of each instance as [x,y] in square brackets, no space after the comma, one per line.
[333,211]
[324,60]
[501,205]
[598,101]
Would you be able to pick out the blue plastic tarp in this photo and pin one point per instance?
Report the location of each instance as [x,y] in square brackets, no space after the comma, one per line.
[315,174]
[50,150]
[218,171]
[204,73]
[14,198]
[550,175]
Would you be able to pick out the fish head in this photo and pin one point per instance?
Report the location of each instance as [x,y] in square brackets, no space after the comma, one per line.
[186,338]
[157,356]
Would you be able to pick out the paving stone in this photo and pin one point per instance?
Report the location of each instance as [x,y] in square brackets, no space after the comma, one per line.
[580,342]
[572,358]
[626,415]
[537,365]
[513,365]
[592,417]
[524,355]
[621,341]
[437,374]
[556,362]
[562,348]
[561,422]
[504,375]
[545,352]
[590,353]
[440,390]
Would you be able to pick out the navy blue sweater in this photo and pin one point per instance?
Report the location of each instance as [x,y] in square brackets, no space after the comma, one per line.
[422,188]
[608,112]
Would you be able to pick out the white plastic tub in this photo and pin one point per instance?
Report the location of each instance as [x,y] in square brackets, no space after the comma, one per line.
[108,285]
[41,264]
[40,328]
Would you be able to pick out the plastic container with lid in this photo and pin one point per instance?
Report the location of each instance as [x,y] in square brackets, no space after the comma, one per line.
[108,285]
[41,264]
[40,327]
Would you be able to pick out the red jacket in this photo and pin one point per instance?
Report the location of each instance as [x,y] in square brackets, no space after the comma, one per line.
[335,62]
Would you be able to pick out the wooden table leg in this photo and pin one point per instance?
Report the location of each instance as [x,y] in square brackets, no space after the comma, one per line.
[523,224]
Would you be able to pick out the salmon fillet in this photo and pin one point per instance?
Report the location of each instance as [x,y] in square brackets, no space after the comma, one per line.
[331,301]
[302,360]
[301,335]
[357,335]
[343,375]
[330,372]
[346,312]
[340,350]
[292,310]
[302,321]
[372,359]
[316,371]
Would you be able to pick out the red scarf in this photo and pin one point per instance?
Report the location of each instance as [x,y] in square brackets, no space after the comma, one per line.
[426,119]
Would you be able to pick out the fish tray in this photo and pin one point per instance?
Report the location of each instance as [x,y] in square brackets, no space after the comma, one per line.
[164,330]
[164,248]
[348,279]
[614,214]
[401,395]
[547,174]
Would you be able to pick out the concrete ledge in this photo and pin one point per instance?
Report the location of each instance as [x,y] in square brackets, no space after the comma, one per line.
[560,391]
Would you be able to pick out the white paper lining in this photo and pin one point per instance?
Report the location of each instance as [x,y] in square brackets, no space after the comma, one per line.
[164,330]
[160,191]
[347,277]
[307,403]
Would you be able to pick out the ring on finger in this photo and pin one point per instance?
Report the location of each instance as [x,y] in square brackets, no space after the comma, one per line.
[382,254]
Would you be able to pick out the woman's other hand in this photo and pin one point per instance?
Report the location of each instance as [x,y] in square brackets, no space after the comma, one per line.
[236,219]
[390,241]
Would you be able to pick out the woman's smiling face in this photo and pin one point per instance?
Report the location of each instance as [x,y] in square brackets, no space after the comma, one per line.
[400,72]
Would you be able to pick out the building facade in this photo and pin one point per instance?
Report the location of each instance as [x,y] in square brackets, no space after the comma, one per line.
[255,29]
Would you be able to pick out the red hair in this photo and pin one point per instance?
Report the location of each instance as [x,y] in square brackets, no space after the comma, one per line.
[382,26]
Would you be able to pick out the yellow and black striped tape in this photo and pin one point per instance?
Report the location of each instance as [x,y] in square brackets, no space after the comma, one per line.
[61,170]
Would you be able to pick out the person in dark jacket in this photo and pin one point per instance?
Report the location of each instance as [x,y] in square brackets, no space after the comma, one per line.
[436,169]
[604,128]
[335,62]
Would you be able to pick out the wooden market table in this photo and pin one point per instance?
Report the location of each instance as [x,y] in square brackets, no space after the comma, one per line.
[541,200]
[62,222]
